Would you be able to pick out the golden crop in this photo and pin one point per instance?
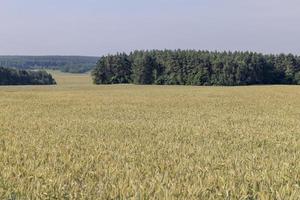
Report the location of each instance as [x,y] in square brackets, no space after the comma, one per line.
[81,141]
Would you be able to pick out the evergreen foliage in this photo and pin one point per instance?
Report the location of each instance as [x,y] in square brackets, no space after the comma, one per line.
[190,67]
[9,76]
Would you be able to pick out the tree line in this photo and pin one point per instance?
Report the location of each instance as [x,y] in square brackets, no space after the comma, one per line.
[72,64]
[190,67]
[10,76]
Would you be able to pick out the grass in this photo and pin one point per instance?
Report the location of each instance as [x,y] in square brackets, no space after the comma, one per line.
[81,141]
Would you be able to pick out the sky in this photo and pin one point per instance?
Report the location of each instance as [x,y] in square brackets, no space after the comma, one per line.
[98,27]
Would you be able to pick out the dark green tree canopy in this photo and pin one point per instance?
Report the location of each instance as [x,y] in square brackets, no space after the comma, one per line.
[190,67]
[9,76]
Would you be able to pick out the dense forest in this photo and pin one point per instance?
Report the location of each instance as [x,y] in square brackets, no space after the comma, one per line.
[190,67]
[10,76]
[72,64]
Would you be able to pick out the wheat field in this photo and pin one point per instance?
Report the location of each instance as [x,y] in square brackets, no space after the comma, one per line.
[81,141]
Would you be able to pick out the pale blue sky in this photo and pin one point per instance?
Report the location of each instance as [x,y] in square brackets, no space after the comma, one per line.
[97,27]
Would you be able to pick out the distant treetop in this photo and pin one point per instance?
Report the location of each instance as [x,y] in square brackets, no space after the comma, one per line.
[72,64]
[190,67]
[9,76]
